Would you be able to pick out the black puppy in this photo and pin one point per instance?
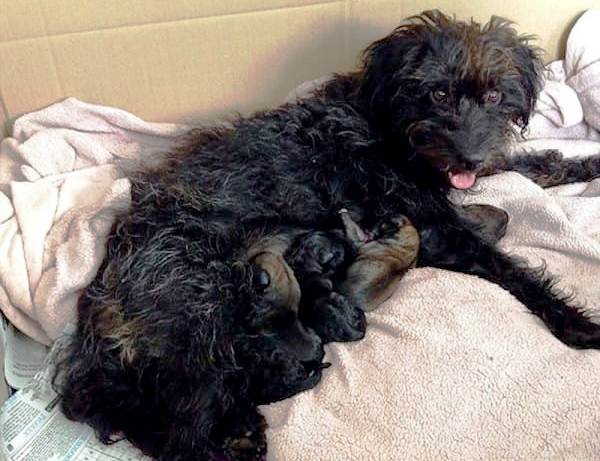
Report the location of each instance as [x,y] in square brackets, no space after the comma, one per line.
[175,336]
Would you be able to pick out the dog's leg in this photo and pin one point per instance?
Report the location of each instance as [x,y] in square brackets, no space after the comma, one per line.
[549,168]
[491,221]
[465,251]
[319,260]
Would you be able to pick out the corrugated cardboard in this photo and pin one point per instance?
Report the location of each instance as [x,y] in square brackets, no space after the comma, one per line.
[174,60]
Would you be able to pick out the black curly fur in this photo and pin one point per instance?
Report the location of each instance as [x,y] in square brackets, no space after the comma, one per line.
[175,346]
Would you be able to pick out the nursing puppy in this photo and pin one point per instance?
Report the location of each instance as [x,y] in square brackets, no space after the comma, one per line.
[383,256]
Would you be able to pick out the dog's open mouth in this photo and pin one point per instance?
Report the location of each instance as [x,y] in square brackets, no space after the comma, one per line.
[461,179]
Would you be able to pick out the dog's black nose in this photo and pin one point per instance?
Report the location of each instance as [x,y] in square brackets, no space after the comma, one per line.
[469,165]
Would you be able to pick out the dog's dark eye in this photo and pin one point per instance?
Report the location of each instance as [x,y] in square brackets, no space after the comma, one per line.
[439,96]
[492,97]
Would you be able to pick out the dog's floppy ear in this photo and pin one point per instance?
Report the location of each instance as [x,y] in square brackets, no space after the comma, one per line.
[526,61]
[390,63]
[530,66]
[386,62]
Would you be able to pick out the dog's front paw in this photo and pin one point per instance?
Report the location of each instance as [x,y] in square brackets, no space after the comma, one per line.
[335,318]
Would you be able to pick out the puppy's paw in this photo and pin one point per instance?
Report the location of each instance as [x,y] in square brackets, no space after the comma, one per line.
[317,253]
[335,319]
[389,227]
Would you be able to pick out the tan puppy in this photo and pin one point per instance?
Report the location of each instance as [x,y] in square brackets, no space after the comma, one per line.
[382,259]
[279,283]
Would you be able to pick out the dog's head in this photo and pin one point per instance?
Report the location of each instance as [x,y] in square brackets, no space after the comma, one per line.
[451,92]
[280,355]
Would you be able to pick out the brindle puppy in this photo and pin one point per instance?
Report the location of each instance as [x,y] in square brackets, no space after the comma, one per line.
[383,257]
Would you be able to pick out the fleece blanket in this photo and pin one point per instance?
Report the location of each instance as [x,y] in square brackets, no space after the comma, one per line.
[452,366]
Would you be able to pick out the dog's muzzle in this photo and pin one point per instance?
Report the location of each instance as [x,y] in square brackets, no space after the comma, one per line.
[434,144]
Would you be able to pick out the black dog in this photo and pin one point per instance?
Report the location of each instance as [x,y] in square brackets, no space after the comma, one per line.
[176,340]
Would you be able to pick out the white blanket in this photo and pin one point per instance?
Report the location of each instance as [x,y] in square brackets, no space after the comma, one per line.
[59,192]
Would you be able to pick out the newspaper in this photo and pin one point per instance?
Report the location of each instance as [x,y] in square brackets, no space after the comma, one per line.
[32,428]
[23,357]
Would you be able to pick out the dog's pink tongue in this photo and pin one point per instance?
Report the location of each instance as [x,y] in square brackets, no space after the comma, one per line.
[461,179]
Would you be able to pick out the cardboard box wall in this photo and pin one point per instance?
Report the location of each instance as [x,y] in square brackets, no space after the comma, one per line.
[175,60]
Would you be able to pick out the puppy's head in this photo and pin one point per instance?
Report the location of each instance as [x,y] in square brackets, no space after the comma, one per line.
[280,354]
[451,92]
